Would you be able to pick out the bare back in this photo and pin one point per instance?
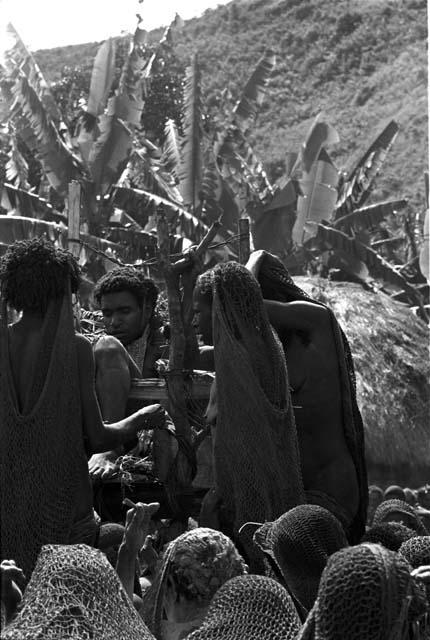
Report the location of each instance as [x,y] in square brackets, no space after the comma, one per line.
[307,337]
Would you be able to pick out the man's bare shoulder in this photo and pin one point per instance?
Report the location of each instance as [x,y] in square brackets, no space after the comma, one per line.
[298,314]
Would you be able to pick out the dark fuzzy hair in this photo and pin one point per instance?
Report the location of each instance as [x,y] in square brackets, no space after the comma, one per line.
[34,272]
[127,279]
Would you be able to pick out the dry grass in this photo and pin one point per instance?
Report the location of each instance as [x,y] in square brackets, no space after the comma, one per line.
[391,354]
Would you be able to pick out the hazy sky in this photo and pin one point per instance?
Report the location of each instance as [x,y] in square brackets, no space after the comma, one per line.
[43,24]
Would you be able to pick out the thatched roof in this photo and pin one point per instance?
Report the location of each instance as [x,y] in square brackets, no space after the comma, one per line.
[390,346]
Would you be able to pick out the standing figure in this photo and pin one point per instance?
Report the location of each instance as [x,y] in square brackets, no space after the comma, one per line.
[256,455]
[49,416]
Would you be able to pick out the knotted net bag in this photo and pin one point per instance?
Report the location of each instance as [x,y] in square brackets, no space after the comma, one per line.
[416,551]
[75,593]
[366,593]
[390,534]
[277,284]
[250,608]
[300,542]
[256,454]
[41,444]
[399,509]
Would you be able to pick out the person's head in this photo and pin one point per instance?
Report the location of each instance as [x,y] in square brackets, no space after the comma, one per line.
[399,511]
[366,592]
[127,300]
[35,272]
[390,535]
[109,540]
[202,304]
[416,551]
[394,492]
[193,568]
[300,542]
[250,606]
[423,495]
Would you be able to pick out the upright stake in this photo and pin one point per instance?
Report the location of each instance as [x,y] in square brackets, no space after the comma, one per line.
[74,212]
[244,240]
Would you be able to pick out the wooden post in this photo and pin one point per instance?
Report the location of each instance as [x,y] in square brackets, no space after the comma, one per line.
[244,240]
[74,215]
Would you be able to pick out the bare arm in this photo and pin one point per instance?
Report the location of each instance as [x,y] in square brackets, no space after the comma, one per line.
[103,437]
[298,315]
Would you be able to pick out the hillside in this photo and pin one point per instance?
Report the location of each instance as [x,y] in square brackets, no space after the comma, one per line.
[361,63]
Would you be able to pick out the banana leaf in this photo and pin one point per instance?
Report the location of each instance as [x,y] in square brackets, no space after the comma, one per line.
[190,171]
[21,62]
[211,187]
[320,134]
[148,174]
[246,109]
[41,136]
[110,153]
[101,78]
[358,185]
[171,158]
[130,82]
[16,165]
[317,200]
[140,201]
[29,205]
[378,267]
[369,216]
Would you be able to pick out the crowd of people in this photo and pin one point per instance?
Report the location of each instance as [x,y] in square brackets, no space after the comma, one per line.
[290,542]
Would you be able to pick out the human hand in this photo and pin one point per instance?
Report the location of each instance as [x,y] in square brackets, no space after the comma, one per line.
[12,585]
[137,524]
[153,416]
[101,466]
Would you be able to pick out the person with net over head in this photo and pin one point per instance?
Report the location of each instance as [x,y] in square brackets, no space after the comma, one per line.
[367,592]
[297,546]
[129,349]
[250,607]
[322,382]
[256,458]
[191,570]
[399,511]
[49,414]
[74,593]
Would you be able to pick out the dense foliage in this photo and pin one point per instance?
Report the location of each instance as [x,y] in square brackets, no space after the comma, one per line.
[362,63]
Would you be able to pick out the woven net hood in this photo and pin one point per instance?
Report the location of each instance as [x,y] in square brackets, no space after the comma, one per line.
[199,561]
[250,608]
[276,284]
[75,593]
[256,454]
[390,535]
[41,444]
[416,551]
[301,541]
[366,593]
[400,511]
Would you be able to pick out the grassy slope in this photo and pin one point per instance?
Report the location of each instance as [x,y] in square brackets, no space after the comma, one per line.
[362,71]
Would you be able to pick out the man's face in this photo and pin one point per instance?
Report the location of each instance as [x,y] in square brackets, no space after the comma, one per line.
[202,321]
[122,316]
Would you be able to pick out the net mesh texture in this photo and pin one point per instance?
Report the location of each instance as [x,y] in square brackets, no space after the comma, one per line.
[75,593]
[390,535]
[400,511]
[256,454]
[250,608]
[366,593]
[42,451]
[301,541]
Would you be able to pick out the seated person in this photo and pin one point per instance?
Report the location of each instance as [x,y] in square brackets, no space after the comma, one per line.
[130,348]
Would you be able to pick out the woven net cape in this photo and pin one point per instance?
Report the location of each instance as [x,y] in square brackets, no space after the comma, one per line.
[200,561]
[276,284]
[366,593]
[75,593]
[250,608]
[394,507]
[390,534]
[256,455]
[300,542]
[416,551]
[41,445]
